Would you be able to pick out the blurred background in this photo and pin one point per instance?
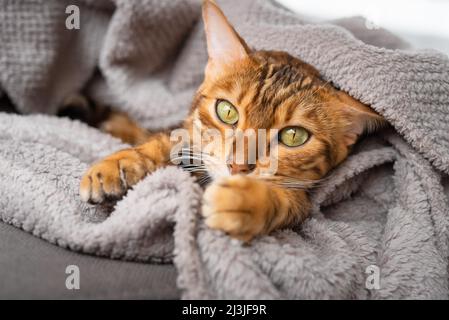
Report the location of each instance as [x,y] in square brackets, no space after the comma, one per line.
[423,23]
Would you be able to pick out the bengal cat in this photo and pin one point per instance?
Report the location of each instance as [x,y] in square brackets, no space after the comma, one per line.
[245,89]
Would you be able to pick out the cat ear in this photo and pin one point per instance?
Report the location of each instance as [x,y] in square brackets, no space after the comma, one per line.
[360,118]
[224,45]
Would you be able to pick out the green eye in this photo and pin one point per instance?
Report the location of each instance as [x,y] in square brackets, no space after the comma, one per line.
[227,112]
[293,136]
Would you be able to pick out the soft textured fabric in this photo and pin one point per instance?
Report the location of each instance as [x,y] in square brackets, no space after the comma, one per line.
[385,206]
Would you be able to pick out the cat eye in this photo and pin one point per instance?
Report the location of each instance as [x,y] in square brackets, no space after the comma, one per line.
[226,112]
[293,136]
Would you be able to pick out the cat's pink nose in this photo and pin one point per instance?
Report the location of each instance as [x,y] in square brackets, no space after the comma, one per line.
[241,168]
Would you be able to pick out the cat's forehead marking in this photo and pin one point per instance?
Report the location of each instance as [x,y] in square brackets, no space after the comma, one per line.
[278,82]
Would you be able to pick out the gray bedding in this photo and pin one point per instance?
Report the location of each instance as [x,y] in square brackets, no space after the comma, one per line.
[31,268]
[386,206]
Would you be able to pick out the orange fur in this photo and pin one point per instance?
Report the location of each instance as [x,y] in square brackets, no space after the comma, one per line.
[269,90]
[120,125]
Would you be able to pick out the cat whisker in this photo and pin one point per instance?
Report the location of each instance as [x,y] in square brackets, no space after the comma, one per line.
[204,179]
[188,154]
[193,166]
[196,170]
[187,158]
[191,151]
[295,183]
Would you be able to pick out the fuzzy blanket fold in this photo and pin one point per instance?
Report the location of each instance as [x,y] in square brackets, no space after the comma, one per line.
[386,206]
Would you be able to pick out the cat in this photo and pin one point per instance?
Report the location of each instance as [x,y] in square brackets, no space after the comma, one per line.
[246,89]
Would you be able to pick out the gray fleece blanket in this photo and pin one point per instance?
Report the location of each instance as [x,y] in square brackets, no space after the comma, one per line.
[384,209]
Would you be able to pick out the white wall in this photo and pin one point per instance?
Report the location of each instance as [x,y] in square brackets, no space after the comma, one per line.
[424,23]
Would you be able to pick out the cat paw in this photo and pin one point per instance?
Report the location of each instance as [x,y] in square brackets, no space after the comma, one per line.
[110,178]
[237,205]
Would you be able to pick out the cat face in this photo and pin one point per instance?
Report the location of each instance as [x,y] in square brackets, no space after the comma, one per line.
[314,123]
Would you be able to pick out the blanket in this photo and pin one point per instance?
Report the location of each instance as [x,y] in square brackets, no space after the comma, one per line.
[379,225]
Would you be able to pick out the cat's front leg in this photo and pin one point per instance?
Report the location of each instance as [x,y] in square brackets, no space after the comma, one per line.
[111,177]
[245,207]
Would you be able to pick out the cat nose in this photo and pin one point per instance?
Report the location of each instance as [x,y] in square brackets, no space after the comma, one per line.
[241,168]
